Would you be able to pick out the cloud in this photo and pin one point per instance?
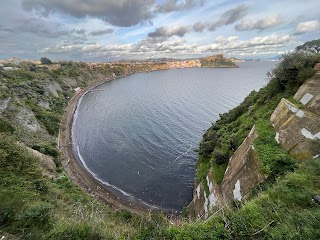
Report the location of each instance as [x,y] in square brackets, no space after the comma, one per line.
[226,18]
[79,31]
[235,45]
[230,17]
[259,24]
[173,5]
[305,27]
[163,47]
[102,32]
[199,27]
[41,28]
[4,29]
[123,13]
[167,32]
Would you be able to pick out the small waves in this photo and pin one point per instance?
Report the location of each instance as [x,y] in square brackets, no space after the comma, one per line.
[97,178]
[108,184]
[141,130]
[183,154]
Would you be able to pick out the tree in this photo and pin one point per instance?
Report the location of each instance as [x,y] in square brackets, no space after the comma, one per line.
[45,60]
[311,46]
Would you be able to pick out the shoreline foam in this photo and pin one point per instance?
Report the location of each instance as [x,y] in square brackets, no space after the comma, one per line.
[82,176]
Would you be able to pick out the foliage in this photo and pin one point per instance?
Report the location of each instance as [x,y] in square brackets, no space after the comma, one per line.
[5,126]
[216,61]
[34,207]
[45,60]
[227,133]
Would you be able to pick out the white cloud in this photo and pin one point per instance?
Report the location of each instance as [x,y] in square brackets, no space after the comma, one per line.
[177,30]
[259,24]
[159,47]
[309,26]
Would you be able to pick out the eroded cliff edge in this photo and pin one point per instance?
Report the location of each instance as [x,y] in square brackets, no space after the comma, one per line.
[296,124]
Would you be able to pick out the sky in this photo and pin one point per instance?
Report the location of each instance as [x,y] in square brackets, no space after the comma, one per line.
[109,30]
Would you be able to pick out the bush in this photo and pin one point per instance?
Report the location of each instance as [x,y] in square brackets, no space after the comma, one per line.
[45,60]
[6,126]
[46,148]
[35,216]
[220,156]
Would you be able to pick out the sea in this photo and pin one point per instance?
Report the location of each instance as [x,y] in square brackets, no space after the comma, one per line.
[138,135]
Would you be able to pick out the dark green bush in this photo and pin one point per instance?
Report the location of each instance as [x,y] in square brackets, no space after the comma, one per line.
[46,148]
[35,216]
[220,156]
[5,126]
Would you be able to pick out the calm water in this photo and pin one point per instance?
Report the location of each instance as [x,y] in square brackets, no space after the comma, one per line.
[137,134]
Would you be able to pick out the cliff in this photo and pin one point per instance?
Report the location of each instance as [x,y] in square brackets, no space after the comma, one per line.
[297,122]
[285,131]
[242,174]
[34,206]
[217,61]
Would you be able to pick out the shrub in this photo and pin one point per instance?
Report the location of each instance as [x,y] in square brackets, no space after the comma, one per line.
[35,216]
[6,126]
[45,60]
[220,156]
[46,148]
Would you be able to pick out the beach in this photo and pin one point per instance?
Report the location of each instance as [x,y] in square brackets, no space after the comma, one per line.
[77,173]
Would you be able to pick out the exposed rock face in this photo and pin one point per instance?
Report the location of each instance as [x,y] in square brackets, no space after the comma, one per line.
[44,104]
[298,125]
[26,118]
[47,164]
[242,174]
[53,89]
[4,104]
[309,94]
[243,171]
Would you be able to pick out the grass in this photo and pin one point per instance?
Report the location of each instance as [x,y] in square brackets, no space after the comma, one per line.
[284,211]
[35,207]
[227,133]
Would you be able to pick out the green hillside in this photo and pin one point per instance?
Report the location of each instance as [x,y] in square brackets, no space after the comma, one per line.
[33,206]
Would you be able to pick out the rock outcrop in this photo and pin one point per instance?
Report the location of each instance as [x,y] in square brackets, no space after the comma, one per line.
[4,104]
[26,119]
[241,176]
[297,124]
[47,164]
[53,88]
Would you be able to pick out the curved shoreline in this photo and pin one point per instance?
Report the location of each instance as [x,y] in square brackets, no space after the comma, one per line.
[80,175]
[77,173]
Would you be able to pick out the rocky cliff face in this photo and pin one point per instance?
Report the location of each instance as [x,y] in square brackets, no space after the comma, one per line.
[297,126]
[297,122]
[242,174]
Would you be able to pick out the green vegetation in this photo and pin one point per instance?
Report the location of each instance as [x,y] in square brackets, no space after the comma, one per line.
[311,46]
[35,207]
[45,60]
[216,61]
[226,134]
[285,211]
